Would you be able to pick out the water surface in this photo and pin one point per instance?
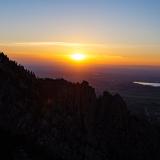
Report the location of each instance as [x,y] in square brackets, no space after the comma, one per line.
[148,84]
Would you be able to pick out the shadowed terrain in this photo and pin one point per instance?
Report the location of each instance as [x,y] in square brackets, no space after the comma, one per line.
[60,120]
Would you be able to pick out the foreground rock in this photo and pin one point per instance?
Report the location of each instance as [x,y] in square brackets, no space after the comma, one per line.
[57,119]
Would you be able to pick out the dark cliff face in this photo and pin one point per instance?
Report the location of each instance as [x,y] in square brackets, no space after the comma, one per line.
[57,119]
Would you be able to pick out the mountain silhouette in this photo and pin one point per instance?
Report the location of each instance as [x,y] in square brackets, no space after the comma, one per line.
[56,119]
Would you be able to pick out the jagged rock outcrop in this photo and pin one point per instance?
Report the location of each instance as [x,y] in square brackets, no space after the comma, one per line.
[57,119]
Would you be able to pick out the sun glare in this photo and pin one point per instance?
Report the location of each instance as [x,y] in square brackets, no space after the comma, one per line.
[78,56]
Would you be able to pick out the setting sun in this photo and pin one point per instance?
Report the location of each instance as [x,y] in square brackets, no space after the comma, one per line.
[78,56]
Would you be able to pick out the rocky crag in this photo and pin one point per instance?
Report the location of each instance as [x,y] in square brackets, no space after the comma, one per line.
[56,119]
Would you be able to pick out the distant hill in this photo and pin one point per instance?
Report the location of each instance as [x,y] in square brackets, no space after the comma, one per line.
[56,119]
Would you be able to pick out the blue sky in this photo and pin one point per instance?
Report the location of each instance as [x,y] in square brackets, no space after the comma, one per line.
[114,31]
[92,21]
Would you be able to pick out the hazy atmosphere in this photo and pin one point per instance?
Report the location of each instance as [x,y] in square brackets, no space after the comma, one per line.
[115,32]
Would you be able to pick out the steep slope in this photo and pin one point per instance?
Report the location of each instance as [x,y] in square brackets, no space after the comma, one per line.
[57,119]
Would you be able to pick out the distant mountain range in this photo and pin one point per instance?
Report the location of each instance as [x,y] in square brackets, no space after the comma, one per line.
[59,120]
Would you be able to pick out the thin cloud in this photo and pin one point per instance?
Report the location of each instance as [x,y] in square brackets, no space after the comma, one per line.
[67,44]
[70,44]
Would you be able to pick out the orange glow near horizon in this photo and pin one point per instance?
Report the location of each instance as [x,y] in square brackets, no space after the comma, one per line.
[81,55]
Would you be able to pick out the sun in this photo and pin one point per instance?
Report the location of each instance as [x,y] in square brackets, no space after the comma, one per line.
[78,56]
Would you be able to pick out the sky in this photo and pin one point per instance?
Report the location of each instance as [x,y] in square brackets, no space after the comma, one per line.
[117,32]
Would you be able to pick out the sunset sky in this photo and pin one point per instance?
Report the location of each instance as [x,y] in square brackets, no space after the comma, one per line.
[117,32]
